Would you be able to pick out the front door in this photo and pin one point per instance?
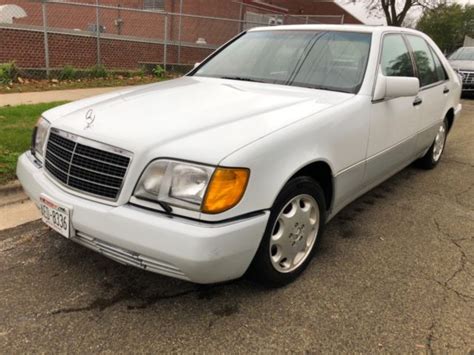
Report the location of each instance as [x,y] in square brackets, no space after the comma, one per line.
[393,122]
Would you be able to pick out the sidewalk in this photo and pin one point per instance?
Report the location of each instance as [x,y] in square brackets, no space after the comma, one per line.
[50,96]
[15,207]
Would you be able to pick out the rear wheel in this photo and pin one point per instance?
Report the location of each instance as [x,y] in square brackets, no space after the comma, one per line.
[433,155]
[292,234]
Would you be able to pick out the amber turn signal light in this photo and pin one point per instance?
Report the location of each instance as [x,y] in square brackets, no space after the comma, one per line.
[225,190]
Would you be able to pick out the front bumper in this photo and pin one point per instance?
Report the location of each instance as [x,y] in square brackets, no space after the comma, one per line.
[457,111]
[177,247]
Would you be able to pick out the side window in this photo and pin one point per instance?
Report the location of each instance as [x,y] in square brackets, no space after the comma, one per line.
[425,63]
[439,67]
[396,59]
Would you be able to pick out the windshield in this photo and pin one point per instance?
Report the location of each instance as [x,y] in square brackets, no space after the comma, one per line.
[464,53]
[315,59]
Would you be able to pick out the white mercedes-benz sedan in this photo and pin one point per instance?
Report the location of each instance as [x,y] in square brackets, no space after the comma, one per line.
[236,167]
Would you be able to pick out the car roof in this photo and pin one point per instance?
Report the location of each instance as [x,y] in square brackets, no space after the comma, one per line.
[349,28]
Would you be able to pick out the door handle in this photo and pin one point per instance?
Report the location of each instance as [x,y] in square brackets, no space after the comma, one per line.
[418,101]
[445,91]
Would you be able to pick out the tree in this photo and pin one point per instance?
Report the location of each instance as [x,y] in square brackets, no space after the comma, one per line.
[395,11]
[447,25]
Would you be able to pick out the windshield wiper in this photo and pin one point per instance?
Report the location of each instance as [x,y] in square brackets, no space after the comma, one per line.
[241,78]
[329,88]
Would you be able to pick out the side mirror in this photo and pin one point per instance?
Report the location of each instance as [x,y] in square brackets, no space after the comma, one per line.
[390,87]
[196,64]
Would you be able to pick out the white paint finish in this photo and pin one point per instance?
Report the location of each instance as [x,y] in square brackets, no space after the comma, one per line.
[274,130]
[206,253]
[191,110]
[309,140]
[389,87]
[393,125]
[462,64]
[190,119]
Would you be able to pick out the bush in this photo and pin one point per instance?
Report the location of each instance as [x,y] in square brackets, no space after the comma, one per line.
[68,73]
[158,71]
[8,72]
[99,71]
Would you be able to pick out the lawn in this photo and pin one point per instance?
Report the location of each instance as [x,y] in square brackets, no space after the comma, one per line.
[16,126]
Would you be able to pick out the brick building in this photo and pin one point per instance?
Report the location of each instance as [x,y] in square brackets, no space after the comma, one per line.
[129,33]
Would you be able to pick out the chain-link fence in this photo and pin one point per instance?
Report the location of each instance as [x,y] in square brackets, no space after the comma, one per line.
[50,34]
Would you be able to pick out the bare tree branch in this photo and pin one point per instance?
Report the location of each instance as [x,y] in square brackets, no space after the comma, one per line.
[395,11]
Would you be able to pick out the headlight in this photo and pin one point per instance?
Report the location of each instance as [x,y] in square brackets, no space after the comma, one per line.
[192,186]
[39,136]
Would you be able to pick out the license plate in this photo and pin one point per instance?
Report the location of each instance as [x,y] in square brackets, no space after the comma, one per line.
[55,216]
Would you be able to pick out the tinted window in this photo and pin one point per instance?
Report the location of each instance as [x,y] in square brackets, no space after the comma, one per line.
[396,59]
[329,60]
[439,67]
[424,61]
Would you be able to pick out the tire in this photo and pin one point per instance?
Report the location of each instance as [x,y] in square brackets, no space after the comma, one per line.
[433,155]
[295,226]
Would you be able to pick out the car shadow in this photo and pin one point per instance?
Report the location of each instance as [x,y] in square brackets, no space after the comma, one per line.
[110,283]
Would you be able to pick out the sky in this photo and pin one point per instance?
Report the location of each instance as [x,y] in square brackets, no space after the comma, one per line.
[359,10]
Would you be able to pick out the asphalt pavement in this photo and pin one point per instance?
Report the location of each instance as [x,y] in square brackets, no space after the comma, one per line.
[395,273]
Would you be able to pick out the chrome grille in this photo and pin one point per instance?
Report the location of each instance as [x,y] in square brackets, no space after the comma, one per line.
[467,77]
[86,166]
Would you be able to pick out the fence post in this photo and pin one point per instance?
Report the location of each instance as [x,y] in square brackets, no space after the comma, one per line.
[241,18]
[307,19]
[179,30]
[342,19]
[165,44]
[97,29]
[45,33]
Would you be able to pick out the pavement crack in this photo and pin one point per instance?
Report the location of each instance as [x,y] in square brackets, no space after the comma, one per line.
[463,260]
[458,196]
[430,337]
[459,162]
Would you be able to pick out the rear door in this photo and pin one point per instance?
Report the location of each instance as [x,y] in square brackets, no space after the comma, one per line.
[393,122]
[434,89]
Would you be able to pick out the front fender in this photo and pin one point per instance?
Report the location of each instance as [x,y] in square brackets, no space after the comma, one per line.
[337,136]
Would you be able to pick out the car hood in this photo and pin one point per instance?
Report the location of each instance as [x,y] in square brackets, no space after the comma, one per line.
[462,64]
[201,119]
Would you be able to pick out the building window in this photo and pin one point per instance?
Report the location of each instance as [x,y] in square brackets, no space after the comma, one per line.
[157,5]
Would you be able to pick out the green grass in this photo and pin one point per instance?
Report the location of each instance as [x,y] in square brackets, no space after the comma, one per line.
[16,126]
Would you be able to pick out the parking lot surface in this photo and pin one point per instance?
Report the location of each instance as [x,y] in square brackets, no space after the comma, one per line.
[395,272]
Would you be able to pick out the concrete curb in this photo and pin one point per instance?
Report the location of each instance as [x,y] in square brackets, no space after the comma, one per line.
[15,206]
[12,193]
[10,188]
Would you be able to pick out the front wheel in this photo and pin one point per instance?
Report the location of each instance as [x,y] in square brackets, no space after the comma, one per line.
[293,232]
[433,155]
